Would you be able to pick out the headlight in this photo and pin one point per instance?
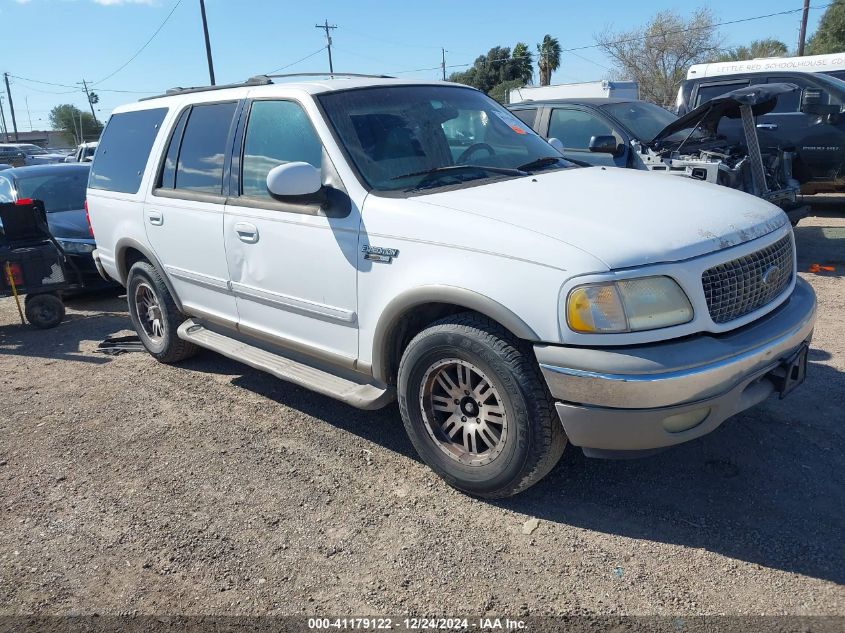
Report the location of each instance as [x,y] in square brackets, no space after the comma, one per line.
[630,305]
[77,248]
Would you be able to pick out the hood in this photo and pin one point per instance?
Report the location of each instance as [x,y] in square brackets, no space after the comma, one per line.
[623,217]
[761,97]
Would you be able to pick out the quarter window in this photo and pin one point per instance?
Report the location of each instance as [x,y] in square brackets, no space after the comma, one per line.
[7,194]
[203,149]
[124,150]
[278,132]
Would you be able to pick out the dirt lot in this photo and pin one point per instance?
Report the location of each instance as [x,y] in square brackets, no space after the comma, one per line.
[132,487]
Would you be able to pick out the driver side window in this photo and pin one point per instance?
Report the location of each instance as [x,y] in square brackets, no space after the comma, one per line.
[575,128]
[278,132]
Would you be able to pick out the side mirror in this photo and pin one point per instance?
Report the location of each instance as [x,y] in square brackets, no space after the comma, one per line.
[815,101]
[556,143]
[294,179]
[604,144]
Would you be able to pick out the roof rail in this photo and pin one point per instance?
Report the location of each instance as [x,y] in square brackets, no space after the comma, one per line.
[329,74]
[258,80]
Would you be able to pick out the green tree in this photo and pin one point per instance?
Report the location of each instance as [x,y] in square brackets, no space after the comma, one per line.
[501,91]
[524,62]
[494,68]
[768,47]
[830,36]
[76,126]
[548,53]
[658,54]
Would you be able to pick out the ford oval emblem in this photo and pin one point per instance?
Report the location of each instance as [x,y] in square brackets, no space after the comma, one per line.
[771,276]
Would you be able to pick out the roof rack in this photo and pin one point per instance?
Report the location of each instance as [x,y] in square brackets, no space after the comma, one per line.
[258,80]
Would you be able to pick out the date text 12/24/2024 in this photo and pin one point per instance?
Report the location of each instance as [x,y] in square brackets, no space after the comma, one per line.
[417,624]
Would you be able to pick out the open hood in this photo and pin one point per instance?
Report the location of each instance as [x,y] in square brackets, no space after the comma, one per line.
[761,97]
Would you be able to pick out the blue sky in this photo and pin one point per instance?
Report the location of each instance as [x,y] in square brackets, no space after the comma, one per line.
[64,41]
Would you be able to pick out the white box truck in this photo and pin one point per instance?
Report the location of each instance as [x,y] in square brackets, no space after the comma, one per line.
[589,89]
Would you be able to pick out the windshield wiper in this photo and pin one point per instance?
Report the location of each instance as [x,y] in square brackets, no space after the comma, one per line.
[506,171]
[539,163]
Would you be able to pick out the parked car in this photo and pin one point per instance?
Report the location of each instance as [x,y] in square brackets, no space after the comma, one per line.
[12,156]
[641,135]
[341,235]
[84,153]
[34,155]
[810,120]
[62,190]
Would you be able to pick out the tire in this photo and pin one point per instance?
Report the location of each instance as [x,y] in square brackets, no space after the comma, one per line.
[154,315]
[512,452]
[44,311]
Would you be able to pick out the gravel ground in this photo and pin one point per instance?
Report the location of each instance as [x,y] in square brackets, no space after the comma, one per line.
[209,488]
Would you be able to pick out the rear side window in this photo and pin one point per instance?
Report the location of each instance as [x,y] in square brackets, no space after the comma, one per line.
[527,116]
[705,92]
[124,149]
[203,150]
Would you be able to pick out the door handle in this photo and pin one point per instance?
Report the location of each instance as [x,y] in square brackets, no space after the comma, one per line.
[155,218]
[767,126]
[247,232]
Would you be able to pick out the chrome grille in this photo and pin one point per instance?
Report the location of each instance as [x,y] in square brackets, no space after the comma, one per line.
[745,284]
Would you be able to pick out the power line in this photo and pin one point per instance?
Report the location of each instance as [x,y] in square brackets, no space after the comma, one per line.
[624,41]
[275,70]
[140,50]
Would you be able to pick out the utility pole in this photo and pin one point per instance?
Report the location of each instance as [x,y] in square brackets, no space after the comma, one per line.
[88,96]
[11,105]
[443,62]
[803,33]
[325,26]
[3,120]
[28,115]
[207,43]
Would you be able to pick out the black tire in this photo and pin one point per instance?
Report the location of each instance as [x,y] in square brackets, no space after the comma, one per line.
[44,311]
[535,437]
[168,347]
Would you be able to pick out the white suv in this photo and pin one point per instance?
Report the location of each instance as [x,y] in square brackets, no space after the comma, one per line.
[371,238]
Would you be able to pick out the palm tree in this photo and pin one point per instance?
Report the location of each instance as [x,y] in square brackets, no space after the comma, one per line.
[548,58]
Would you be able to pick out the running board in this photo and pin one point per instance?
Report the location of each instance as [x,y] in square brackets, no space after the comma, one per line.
[361,395]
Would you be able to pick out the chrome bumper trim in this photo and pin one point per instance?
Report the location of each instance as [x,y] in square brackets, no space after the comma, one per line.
[675,372]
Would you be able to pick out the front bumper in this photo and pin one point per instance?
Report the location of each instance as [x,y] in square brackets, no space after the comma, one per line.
[618,398]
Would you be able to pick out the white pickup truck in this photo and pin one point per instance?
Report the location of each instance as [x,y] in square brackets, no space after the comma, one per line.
[372,239]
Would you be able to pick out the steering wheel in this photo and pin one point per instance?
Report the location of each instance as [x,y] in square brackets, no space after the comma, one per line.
[472,149]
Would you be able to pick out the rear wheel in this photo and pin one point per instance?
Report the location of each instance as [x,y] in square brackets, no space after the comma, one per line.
[44,311]
[476,408]
[154,314]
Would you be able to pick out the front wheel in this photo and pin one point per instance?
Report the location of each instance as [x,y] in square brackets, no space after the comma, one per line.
[154,314]
[476,408]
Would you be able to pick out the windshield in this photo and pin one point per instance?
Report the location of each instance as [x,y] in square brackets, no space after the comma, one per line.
[60,191]
[647,120]
[404,138]
[644,120]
